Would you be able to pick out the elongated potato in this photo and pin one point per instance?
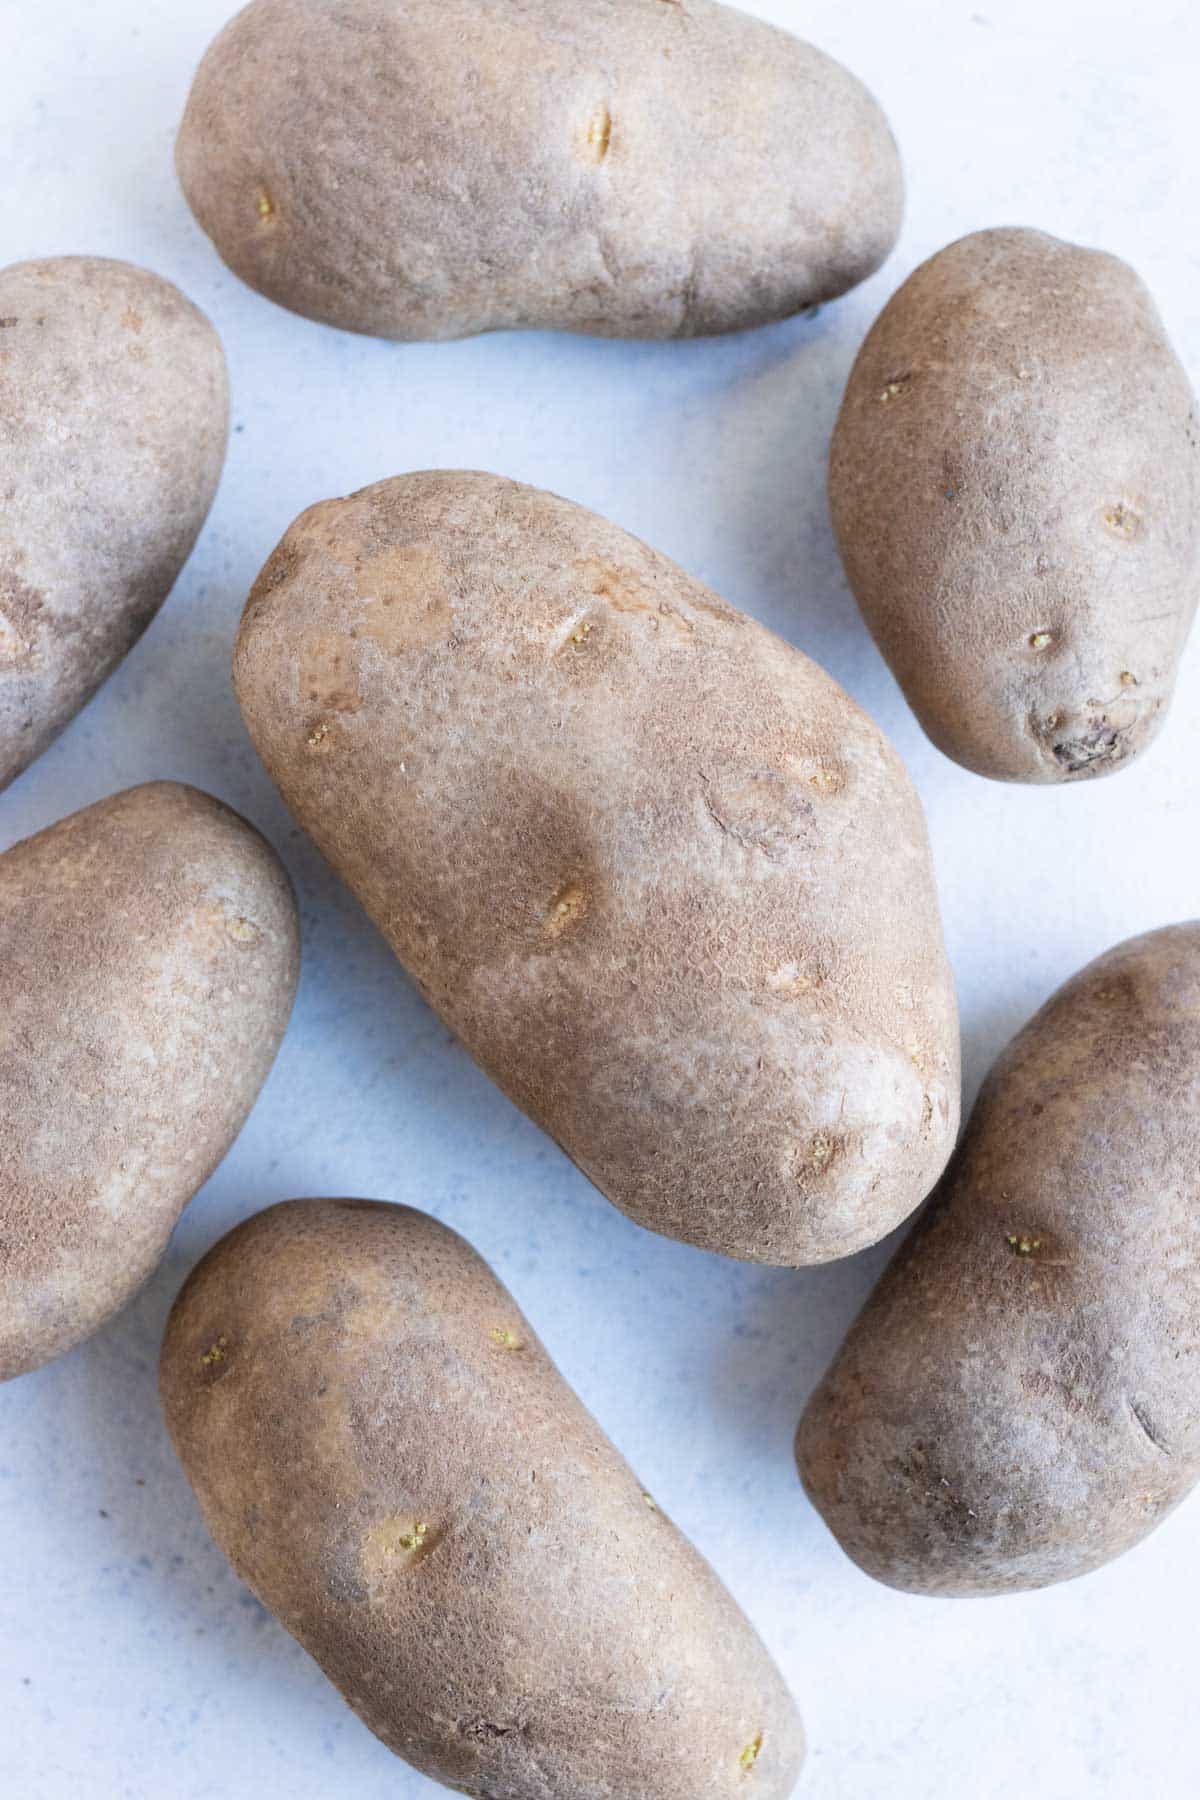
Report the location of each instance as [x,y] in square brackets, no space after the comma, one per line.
[148,958]
[1020,1400]
[389,1458]
[1015,487]
[634,168]
[114,411]
[666,882]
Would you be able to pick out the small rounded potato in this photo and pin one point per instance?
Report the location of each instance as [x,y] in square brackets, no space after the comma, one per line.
[1015,488]
[148,959]
[632,168]
[388,1457]
[667,883]
[114,413]
[1019,1402]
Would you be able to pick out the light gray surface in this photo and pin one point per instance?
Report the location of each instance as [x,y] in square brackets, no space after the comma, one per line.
[132,1666]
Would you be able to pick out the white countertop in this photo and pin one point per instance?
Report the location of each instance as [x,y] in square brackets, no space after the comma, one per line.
[132,1664]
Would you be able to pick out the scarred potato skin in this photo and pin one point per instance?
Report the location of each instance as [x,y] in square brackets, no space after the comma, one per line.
[1015,489]
[667,883]
[114,414]
[148,959]
[630,168]
[388,1457]
[1019,1401]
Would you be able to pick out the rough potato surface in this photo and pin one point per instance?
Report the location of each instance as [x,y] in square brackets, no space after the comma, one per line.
[633,168]
[1019,1401]
[114,413]
[148,958]
[1015,487]
[663,878]
[389,1458]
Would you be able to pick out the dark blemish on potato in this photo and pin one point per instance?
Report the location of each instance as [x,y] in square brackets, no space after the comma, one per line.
[1123,521]
[581,633]
[1041,640]
[599,134]
[507,1340]
[244,931]
[751,1753]
[264,206]
[216,1353]
[7,324]
[328,674]
[1142,1416]
[321,738]
[1101,744]
[1127,679]
[650,1501]
[1022,1243]
[568,906]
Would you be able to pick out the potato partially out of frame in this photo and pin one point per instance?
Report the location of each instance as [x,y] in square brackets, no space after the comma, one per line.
[389,1458]
[1019,1401]
[631,168]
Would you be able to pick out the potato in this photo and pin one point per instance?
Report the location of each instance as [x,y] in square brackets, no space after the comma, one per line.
[632,168]
[667,883]
[114,411]
[1020,1399]
[148,958]
[389,1458]
[1015,488]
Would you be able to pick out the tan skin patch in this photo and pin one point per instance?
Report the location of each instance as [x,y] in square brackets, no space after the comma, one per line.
[407,599]
[627,592]
[329,674]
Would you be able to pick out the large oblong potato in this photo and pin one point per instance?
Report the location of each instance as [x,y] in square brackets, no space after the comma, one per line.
[1015,488]
[633,168]
[148,959]
[114,413]
[1019,1401]
[667,883]
[387,1455]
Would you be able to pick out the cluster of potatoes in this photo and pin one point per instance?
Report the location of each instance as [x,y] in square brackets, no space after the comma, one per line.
[667,883]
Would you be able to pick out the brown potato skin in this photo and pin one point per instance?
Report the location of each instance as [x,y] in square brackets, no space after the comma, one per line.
[668,884]
[114,415]
[1015,488]
[630,168]
[337,1374]
[1019,1401]
[148,959]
